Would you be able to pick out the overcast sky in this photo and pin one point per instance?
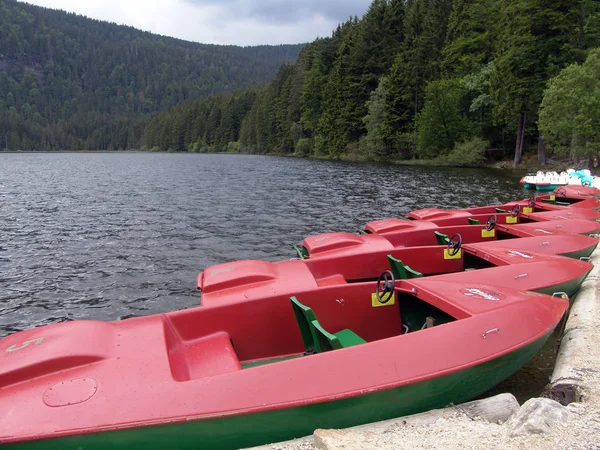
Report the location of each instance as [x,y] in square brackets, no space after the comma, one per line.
[239,22]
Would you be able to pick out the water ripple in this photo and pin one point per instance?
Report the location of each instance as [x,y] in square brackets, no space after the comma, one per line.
[111,236]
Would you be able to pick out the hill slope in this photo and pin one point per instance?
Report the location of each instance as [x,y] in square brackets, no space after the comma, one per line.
[69,82]
[414,79]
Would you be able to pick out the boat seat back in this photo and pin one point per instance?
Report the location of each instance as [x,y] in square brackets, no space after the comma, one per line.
[304,317]
[401,271]
[301,251]
[315,337]
[473,221]
[441,238]
[325,340]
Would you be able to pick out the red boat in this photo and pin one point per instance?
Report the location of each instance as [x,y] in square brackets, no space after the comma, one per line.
[235,375]
[364,329]
[557,206]
[562,199]
[577,191]
[499,261]
[390,234]
[550,227]
[459,217]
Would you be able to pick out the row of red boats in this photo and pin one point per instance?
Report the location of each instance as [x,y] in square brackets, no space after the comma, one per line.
[407,315]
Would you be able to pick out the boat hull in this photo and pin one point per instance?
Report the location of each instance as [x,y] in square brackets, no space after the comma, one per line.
[543,187]
[246,430]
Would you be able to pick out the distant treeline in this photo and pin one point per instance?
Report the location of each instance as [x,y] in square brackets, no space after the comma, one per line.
[69,82]
[412,78]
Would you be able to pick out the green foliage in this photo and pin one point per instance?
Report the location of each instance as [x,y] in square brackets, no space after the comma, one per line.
[570,111]
[77,83]
[410,78]
[303,147]
[373,142]
[233,147]
[441,123]
[418,61]
[470,153]
[203,125]
[536,40]
[471,37]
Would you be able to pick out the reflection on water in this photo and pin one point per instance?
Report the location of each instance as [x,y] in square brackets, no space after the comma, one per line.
[109,236]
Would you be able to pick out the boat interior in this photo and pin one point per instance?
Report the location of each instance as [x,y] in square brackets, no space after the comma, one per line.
[346,311]
[245,335]
[342,314]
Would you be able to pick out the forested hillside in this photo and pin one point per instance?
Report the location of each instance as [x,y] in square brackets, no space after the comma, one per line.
[69,82]
[412,78]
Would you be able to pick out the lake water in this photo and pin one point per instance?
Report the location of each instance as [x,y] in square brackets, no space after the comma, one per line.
[114,235]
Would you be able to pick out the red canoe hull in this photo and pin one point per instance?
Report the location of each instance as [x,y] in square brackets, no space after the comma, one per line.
[195,366]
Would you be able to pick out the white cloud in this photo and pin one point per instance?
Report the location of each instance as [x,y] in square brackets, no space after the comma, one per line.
[239,22]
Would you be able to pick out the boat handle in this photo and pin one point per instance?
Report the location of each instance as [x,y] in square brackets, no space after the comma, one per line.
[545,244]
[493,330]
[563,295]
[521,276]
[585,258]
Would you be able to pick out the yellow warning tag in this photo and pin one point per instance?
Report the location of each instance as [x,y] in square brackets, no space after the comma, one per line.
[527,209]
[511,219]
[448,256]
[376,303]
[488,233]
[553,198]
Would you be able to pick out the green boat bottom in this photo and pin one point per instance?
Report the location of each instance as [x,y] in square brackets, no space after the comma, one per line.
[247,430]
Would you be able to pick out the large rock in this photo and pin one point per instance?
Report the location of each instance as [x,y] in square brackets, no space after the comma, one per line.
[345,440]
[537,416]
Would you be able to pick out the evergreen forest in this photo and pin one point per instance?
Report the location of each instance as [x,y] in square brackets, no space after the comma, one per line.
[431,79]
[447,80]
[72,83]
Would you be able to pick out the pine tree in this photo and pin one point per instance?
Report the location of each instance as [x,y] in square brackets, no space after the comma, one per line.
[535,43]
[419,61]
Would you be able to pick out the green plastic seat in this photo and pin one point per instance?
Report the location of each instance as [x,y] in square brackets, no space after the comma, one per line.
[304,317]
[301,251]
[327,341]
[442,239]
[315,338]
[473,221]
[400,271]
[500,210]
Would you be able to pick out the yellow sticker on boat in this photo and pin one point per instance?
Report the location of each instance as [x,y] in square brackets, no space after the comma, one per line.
[447,255]
[488,233]
[527,209]
[553,198]
[511,219]
[376,303]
